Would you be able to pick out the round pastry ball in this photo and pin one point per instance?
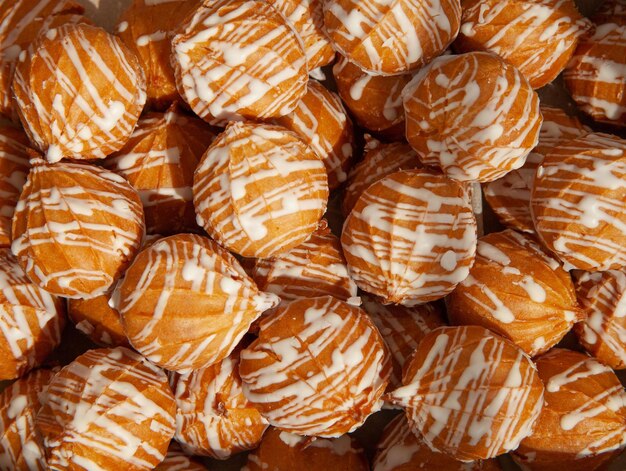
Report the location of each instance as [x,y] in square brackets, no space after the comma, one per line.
[509,196]
[411,237]
[307,19]
[470,393]
[175,460]
[109,409]
[97,320]
[375,101]
[399,449]
[611,11]
[76,228]
[159,161]
[517,290]
[583,422]
[472,115]
[213,416]
[380,159]
[318,367]
[402,329]
[32,320]
[595,76]
[22,21]
[146,28]
[389,38]
[79,93]
[259,190]
[537,37]
[256,67]
[322,122]
[315,268]
[284,451]
[186,302]
[602,296]
[577,202]
[14,166]
[21,447]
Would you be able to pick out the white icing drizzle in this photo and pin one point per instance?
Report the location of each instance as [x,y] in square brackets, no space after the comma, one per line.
[375,101]
[323,375]
[20,445]
[99,80]
[380,160]
[457,110]
[537,37]
[257,66]
[402,329]
[585,404]
[178,461]
[395,238]
[518,290]
[20,25]
[578,202]
[159,161]
[315,268]
[221,302]
[85,215]
[390,37]
[400,448]
[256,177]
[603,332]
[31,320]
[509,196]
[596,75]
[322,122]
[307,19]
[213,416]
[459,400]
[14,166]
[90,403]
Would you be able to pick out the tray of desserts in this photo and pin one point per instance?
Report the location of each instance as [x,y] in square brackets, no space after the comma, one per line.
[274,235]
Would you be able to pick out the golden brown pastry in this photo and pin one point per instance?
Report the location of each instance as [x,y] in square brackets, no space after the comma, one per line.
[595,76]
[602,296]
[14,166]
[186,302]
[374,100]
[108,409]
[21,447]
[260,190]
[31,320]
[583,423]
[411,237]
[213,416]
[315,268]
[318,367]
[21,22]
[470,393]
[284,451]
[389,38]
[578,202]
[472,115]
[159,161]
[76,228]
[536,36]
[322,122]
[518,290]
[380,159]
[509,196]
[79,93]
[146,28]
[256,69]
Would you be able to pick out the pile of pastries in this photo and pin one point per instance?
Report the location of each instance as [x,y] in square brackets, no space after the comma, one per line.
[240,229]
